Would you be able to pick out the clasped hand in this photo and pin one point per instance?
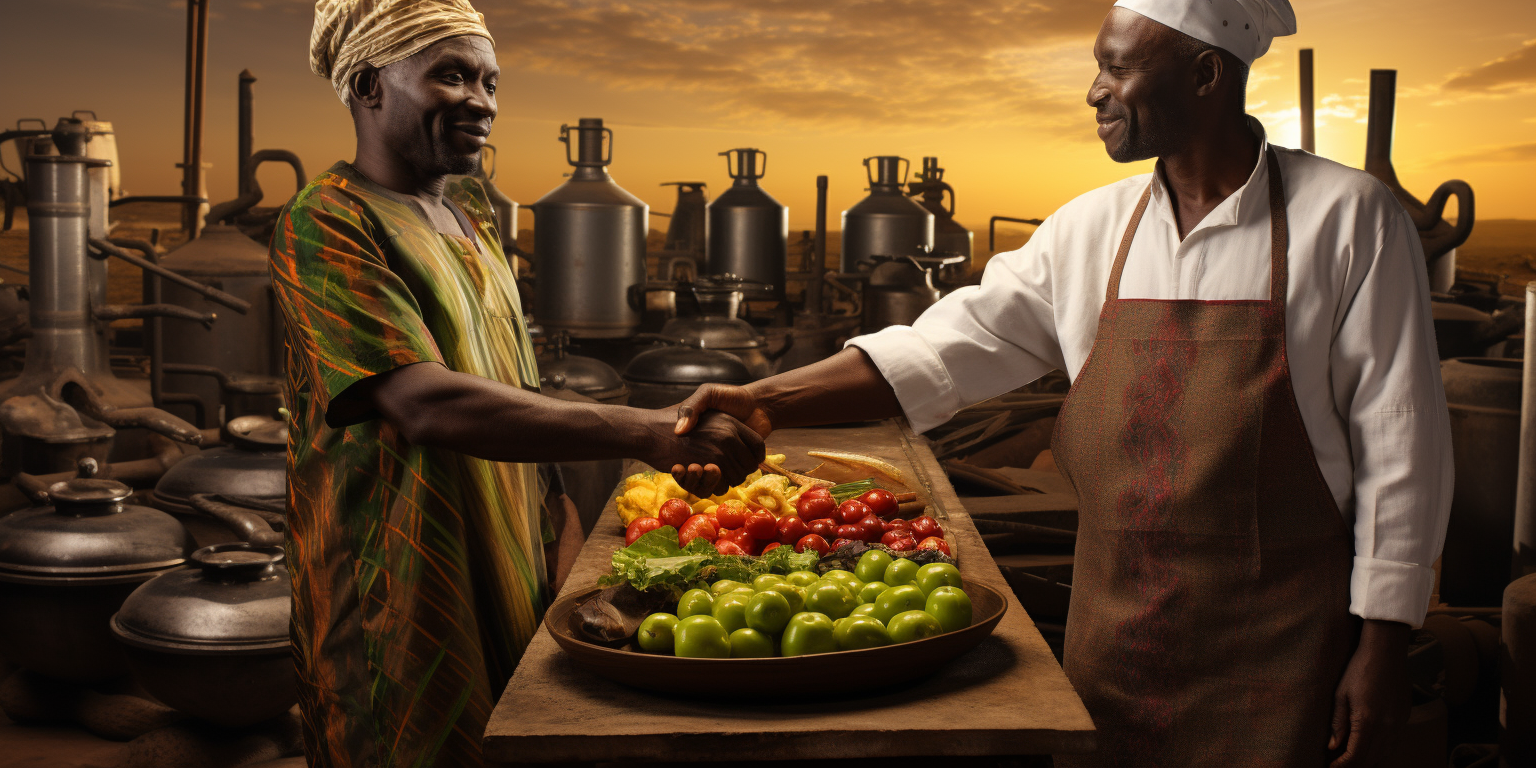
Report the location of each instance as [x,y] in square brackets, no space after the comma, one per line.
[719,433]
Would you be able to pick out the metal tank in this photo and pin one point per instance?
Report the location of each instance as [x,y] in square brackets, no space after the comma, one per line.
[589,245]
[686,228]
[949,237]
[749,230]
[1517,706]
[1483,394]
[886,223]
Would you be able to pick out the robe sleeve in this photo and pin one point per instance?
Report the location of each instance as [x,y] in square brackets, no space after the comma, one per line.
[976,343]
[349,316]
[1386,384]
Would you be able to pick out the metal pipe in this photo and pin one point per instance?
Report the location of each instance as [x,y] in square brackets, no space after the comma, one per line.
[819,263]
[1525,487]
[245,139]
[1308,139]
[992,228]
[153,341]
[1378,128]
[192,148]
[233,302]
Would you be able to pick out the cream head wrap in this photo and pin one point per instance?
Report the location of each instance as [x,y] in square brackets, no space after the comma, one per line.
[1243,28]
[381,32]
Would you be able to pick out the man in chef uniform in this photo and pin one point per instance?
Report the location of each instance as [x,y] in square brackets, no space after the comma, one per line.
[1256,428]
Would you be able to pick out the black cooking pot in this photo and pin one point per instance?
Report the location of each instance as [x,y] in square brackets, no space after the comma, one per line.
[668,375]
[212,640]
[252,465]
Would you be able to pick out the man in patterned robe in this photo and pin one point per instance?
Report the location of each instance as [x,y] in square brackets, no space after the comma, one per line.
[415,526]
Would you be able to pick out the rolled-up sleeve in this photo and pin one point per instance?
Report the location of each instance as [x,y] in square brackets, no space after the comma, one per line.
[1386,382]
[976,343]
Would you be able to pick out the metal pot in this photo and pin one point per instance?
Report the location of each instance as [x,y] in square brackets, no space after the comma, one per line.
[212,640]
[726,334]
[748,229]
[66,568]
[586,376]
[668,375]
[886,223]
[949,236]
[251,466]
[897,292]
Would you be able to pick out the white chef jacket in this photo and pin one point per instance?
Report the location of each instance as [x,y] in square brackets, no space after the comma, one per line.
[1359,338]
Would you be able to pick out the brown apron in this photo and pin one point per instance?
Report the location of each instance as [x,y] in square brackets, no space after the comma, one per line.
[1210,598]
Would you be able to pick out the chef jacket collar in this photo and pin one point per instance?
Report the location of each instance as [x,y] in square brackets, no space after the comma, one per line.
[1230,211]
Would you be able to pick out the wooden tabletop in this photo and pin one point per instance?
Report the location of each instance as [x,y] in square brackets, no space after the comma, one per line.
[1008,696]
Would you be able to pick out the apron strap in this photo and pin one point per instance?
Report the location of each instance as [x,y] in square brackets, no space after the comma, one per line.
[1279,236]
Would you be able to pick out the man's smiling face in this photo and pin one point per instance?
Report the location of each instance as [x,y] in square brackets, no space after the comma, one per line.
[1143,88]
[439,104]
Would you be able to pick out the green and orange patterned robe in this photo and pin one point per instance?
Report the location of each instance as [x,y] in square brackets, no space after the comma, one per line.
[418,573]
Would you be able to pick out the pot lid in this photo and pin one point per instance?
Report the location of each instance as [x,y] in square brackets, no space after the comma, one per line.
[257,433]
[710,332]
[253,464]
[585,375]
[686,365]
[234,598]
[89,533]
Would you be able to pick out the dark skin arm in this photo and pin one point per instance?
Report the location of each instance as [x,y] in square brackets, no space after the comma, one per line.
[433,406]
[1371,700]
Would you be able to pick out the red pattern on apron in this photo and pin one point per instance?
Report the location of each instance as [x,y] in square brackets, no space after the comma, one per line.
[1209,621]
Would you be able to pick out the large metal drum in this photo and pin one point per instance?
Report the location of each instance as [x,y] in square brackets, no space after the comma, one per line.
[887,223]
[748,231]
[949,237]
[1483,394]
[589,246]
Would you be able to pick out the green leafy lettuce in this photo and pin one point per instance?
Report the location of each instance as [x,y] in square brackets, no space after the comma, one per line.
[655,560]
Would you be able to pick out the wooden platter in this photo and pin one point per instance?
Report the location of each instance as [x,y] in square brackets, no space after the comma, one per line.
[839,673]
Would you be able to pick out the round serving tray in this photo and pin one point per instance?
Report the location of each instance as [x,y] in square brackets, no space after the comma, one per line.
[853,671]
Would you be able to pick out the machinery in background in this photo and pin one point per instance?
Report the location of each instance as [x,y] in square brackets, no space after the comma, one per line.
[748,230]
[950,238]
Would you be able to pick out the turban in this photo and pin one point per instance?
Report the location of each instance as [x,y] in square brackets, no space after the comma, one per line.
[1243,28]
[348,33]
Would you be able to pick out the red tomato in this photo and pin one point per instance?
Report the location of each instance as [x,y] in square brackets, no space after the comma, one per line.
[851,511]
[729,548]
[812,541]
[903,544]
[817,493]
[823,528]
[729,534]
[762,525]
[934,542]
[695,527]
[873,528]
[840,542]
[889,537]
[771,546]
[850,532]
[752,546]
[880,501]
[791,529]
[640,527]
[731,515]
[897,524]
[815,508]
[674,512]
[924,526]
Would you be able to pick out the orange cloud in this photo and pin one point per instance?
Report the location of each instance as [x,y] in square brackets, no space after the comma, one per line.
[1514,72]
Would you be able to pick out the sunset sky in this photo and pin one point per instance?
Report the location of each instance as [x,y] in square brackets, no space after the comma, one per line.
[994,88]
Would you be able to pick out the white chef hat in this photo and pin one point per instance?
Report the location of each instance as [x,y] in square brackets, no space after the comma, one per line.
[1243,28]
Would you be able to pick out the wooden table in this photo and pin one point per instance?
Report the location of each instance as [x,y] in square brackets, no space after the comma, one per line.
[1008,696]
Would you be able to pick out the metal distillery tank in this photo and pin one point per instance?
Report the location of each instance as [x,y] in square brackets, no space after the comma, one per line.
[1483,394]
[589,246]
[949,237]
[886,223]
[685,232]
[748,231]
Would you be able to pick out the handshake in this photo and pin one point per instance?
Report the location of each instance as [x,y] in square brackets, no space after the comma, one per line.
[712,440]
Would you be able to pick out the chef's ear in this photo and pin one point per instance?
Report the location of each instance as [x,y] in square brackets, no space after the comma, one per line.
[1210,71]
[365,86]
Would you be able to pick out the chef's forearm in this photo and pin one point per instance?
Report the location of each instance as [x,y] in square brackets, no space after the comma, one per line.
[844,387]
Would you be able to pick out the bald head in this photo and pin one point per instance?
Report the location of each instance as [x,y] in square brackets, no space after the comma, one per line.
[1157,88]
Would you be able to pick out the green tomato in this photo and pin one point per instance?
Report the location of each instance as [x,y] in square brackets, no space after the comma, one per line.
[829,598]
[913,625]
[749,643]
[724,586]
[656,633]
[871,566]
[900,571]
[898,600]
[695,602]
[766,580]
[859,632]
[768,612]
[795,595]
[802,579]
[847,580]
[837,624]
[935,575]
[867,609]
[731,611]
[871,591]
[950,605]
[702,637]
[808,633]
